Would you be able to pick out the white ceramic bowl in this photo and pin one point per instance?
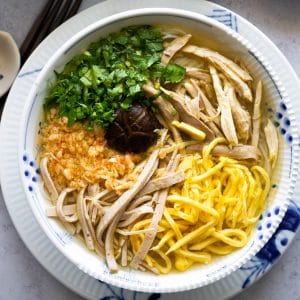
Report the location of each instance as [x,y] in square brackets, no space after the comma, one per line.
[277,105]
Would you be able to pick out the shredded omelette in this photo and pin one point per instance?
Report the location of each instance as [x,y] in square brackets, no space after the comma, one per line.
[212,212]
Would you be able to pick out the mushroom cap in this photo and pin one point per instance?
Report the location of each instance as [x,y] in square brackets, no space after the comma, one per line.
[132,130]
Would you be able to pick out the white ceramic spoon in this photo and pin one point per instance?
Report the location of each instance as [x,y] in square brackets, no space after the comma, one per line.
[9,61]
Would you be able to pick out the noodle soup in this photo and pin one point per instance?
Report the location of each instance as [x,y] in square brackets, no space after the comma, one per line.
[156,151]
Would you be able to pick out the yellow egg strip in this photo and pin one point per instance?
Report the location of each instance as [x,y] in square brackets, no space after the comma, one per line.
[204,244]
[213,212]
[208,173]
[190,236]
[224,236]
[220,250]
[164,240]
[173,224]
[200,257]
[193,203]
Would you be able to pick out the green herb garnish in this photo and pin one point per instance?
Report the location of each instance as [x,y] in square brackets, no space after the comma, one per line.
[110,75]
[173,73]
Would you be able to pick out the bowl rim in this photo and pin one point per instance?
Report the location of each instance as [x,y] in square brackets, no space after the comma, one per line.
[123,16]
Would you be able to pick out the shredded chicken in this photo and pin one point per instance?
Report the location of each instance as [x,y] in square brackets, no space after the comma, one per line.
[239,152]
[256,118]
[212,118]
[272,141]
[263,148]
[187,117]
[242,87]
[210,54]
[198,74]
[210,110]
[232,71]
[227,123]
[174,47]
[166,109]
[240,115]
[190,63]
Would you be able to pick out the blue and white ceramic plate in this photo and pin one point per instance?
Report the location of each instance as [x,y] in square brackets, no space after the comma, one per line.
[20,211]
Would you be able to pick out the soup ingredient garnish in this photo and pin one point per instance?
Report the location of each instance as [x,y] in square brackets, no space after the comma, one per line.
[256,118]
[132,130]
[172,73]
[227,123]
[178,102]
[272,141]
[173,47]
[195,133]
[110,75]
[213,56]
[239,152]
[241,116]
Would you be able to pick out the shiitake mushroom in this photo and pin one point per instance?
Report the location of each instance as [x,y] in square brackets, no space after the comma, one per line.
[132,130]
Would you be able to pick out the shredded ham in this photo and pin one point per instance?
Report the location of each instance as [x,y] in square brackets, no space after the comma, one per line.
[161,197]
[83,217]
[47,179]
[59,207]
[163,182]
[67,210]
[132,215]
[121,203]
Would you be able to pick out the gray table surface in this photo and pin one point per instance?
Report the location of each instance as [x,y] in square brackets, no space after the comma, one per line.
[22,277]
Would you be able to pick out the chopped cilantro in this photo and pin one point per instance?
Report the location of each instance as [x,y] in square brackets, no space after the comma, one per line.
[110,75]
[173,73]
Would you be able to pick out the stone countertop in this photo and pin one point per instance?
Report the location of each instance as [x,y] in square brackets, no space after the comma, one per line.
[22,277]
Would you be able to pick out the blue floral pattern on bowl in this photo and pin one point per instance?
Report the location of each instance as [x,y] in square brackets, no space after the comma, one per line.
[270,253]
[31,172]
